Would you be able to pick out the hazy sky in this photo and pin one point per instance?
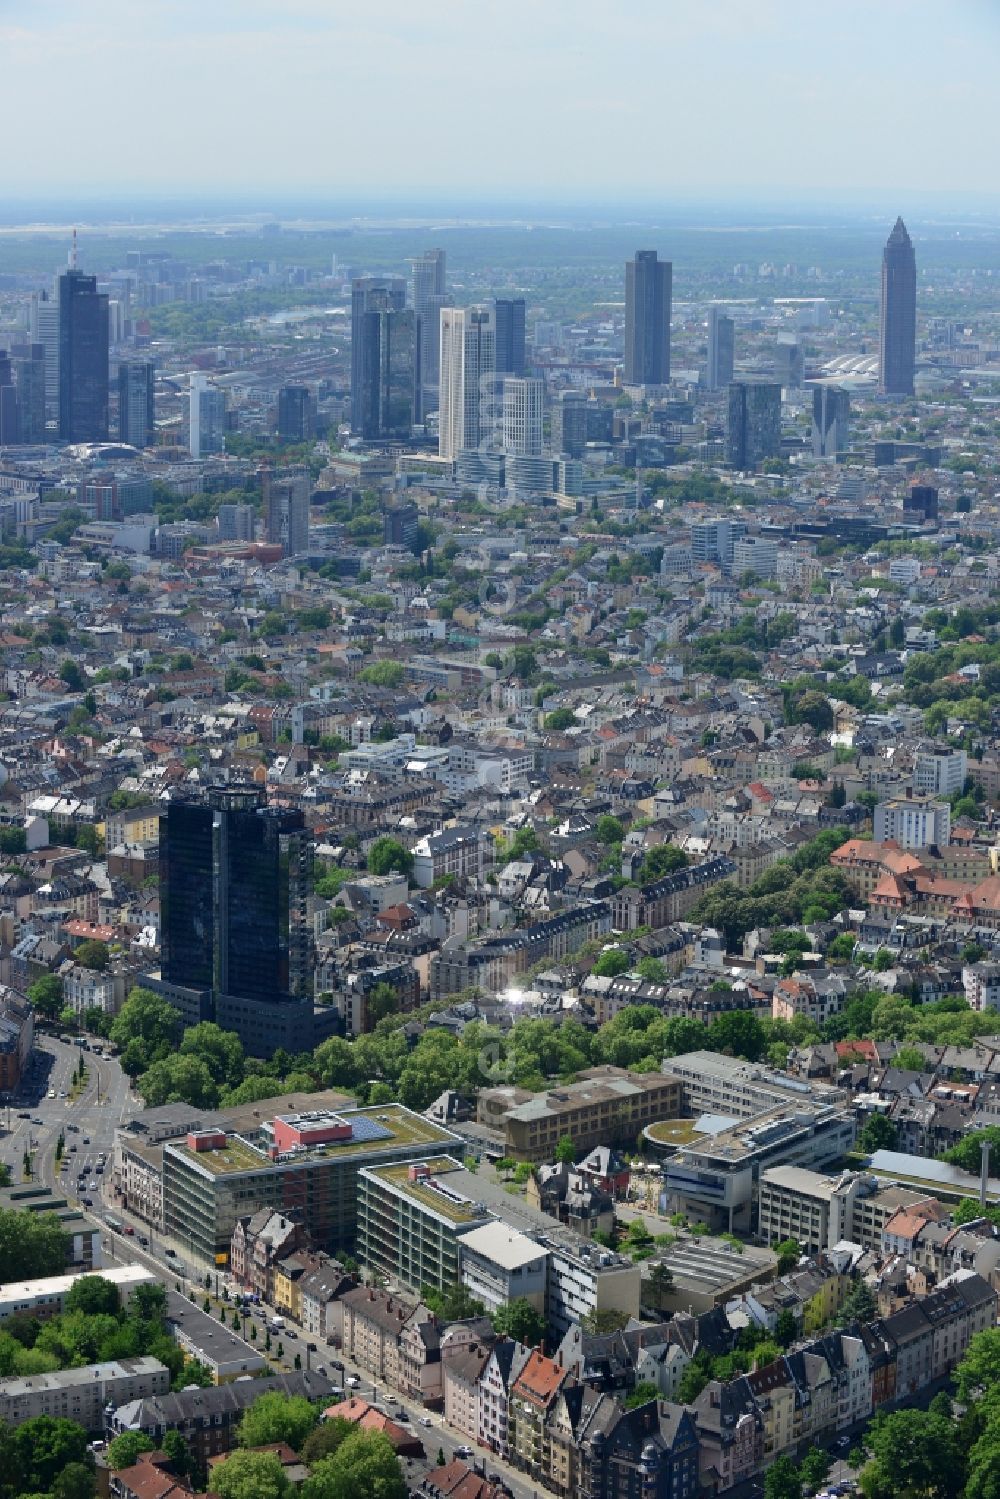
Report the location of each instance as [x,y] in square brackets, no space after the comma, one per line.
[567,100]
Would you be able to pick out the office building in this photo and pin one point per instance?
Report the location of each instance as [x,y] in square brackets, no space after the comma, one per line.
[83,359]
[831,421]
[385,405]
[81,1395]
[468,376]
[10,418]
[509,313]
[399,524]
[285,496]
[296,414]
[236,522]
[789,364]
[136,402]
[939,770]
[721,349]
[27,369]
[715,541]
[498,1265]
[757,555]
[816,1211]
[44,1298]
[523,408]
[648,294]
[411,1218]
[429,296]
[715,1084]
[234,883]
[920,503]
[913,821]
[369,295]
[306,1161]
[897,346]
[753,425]
[569,424]
[43,328]
[607,1106]
[206,418]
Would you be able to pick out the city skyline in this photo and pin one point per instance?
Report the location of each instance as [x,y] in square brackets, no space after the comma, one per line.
[262,82]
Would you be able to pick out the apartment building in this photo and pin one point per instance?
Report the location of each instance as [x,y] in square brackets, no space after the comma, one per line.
[81,1395]
[607,1106]
[499,1265]
[913,821]
[461,852]
[585,1278]
[670,899]
[47,1298]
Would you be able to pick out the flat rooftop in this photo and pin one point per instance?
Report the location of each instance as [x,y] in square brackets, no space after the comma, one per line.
[381,1128]
[439,1191]
[125,1277]
[934,1176]
[503,1245]
[710,1266]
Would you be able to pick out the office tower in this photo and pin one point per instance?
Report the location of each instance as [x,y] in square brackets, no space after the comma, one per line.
[569,423]
[509,335]
[83,359]
[468,377]
[920,503]
[429,296]
[753,428]
[789,365]
[286,509]
[236,522]
[136,402]
[368,294]
[721,349]
[399,524]
[206,418]
[831,421]
[296,414]
[234,885]
[648,293]
[28,367]
[43,328]
[10,417]
[390,373]
[429,276]
[715,541]
[523,407]
[897,346]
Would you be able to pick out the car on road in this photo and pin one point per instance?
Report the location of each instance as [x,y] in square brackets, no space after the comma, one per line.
[38,1119]
[170,1253]
[144,1241]
[74,1129]
[129,1230]
[72,1150]
[25,1115]
[465,1451]
[62,1093]
[87,1202]
[86,1139]
[401,1415]
[426,1421]
[51,1093]
[353,1381]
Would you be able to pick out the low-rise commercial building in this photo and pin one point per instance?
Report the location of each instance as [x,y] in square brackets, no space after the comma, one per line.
[606,1106]
[46,1298]
[816,1211]
[717,1084]
[211,1343]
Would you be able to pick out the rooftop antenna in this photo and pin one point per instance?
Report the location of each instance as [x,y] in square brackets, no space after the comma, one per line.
[72,253]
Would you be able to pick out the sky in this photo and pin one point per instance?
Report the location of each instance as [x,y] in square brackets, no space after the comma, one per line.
[560,101]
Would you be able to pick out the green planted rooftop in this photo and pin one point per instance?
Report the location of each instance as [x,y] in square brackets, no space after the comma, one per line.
[399,1128]
[398,1176]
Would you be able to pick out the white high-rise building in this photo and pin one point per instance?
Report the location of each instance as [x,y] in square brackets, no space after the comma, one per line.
[523,405]
[43,327]
[206,417]
[467,379]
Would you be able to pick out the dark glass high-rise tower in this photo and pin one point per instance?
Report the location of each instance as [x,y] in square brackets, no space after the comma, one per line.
[136,402]
[510,335]
[897,346]
[369,294]
[648,296]
[235,876]
[753,423]
[296,413]
[83,359]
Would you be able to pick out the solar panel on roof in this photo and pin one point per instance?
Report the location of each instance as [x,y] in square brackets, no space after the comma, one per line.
[363,1128]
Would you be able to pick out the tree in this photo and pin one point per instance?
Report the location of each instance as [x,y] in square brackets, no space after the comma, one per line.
[93,1295]
[612,962]
[44,1446]
[566,1150]
[178,1079]
[644,1392]
[739,1033]
[912,1452]
[789,1252]
[664,859]
[388,856]
[324,1439]
[878,1133]
[178,1451]
[604,1320]
[558,720]
[251,1475]
[277,1418]
[786,1329]
[519,1320]
[815,1466]
[910,1059]
[661,1284]
[652,971]
[145,1029]
[782,1479]
[979,1370]
[221,1051]
[609,829]
[76,1481]
[859,1305]
[46,994]
[31,1245]
[364,1466]
[382,674]
[72,675]
[123,1451]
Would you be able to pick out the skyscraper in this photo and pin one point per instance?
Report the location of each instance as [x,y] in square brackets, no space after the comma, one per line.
[897,347]
[831,421]
[369,294]
[286,509]
[136,402]
[206,418]
[523,407]
[721,349]
[10,416]
[296,413]
[234,882]
[753,427]
[43,328]
[468,377]
[83,359]
[648,294]
[510,335]
[28,366]
[569,423]
[429,296]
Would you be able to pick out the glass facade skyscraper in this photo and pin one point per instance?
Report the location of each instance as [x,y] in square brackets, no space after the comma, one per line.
[509,335]
[897,348]
[648,297]
[83,359]
[371,296]
[136,402]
